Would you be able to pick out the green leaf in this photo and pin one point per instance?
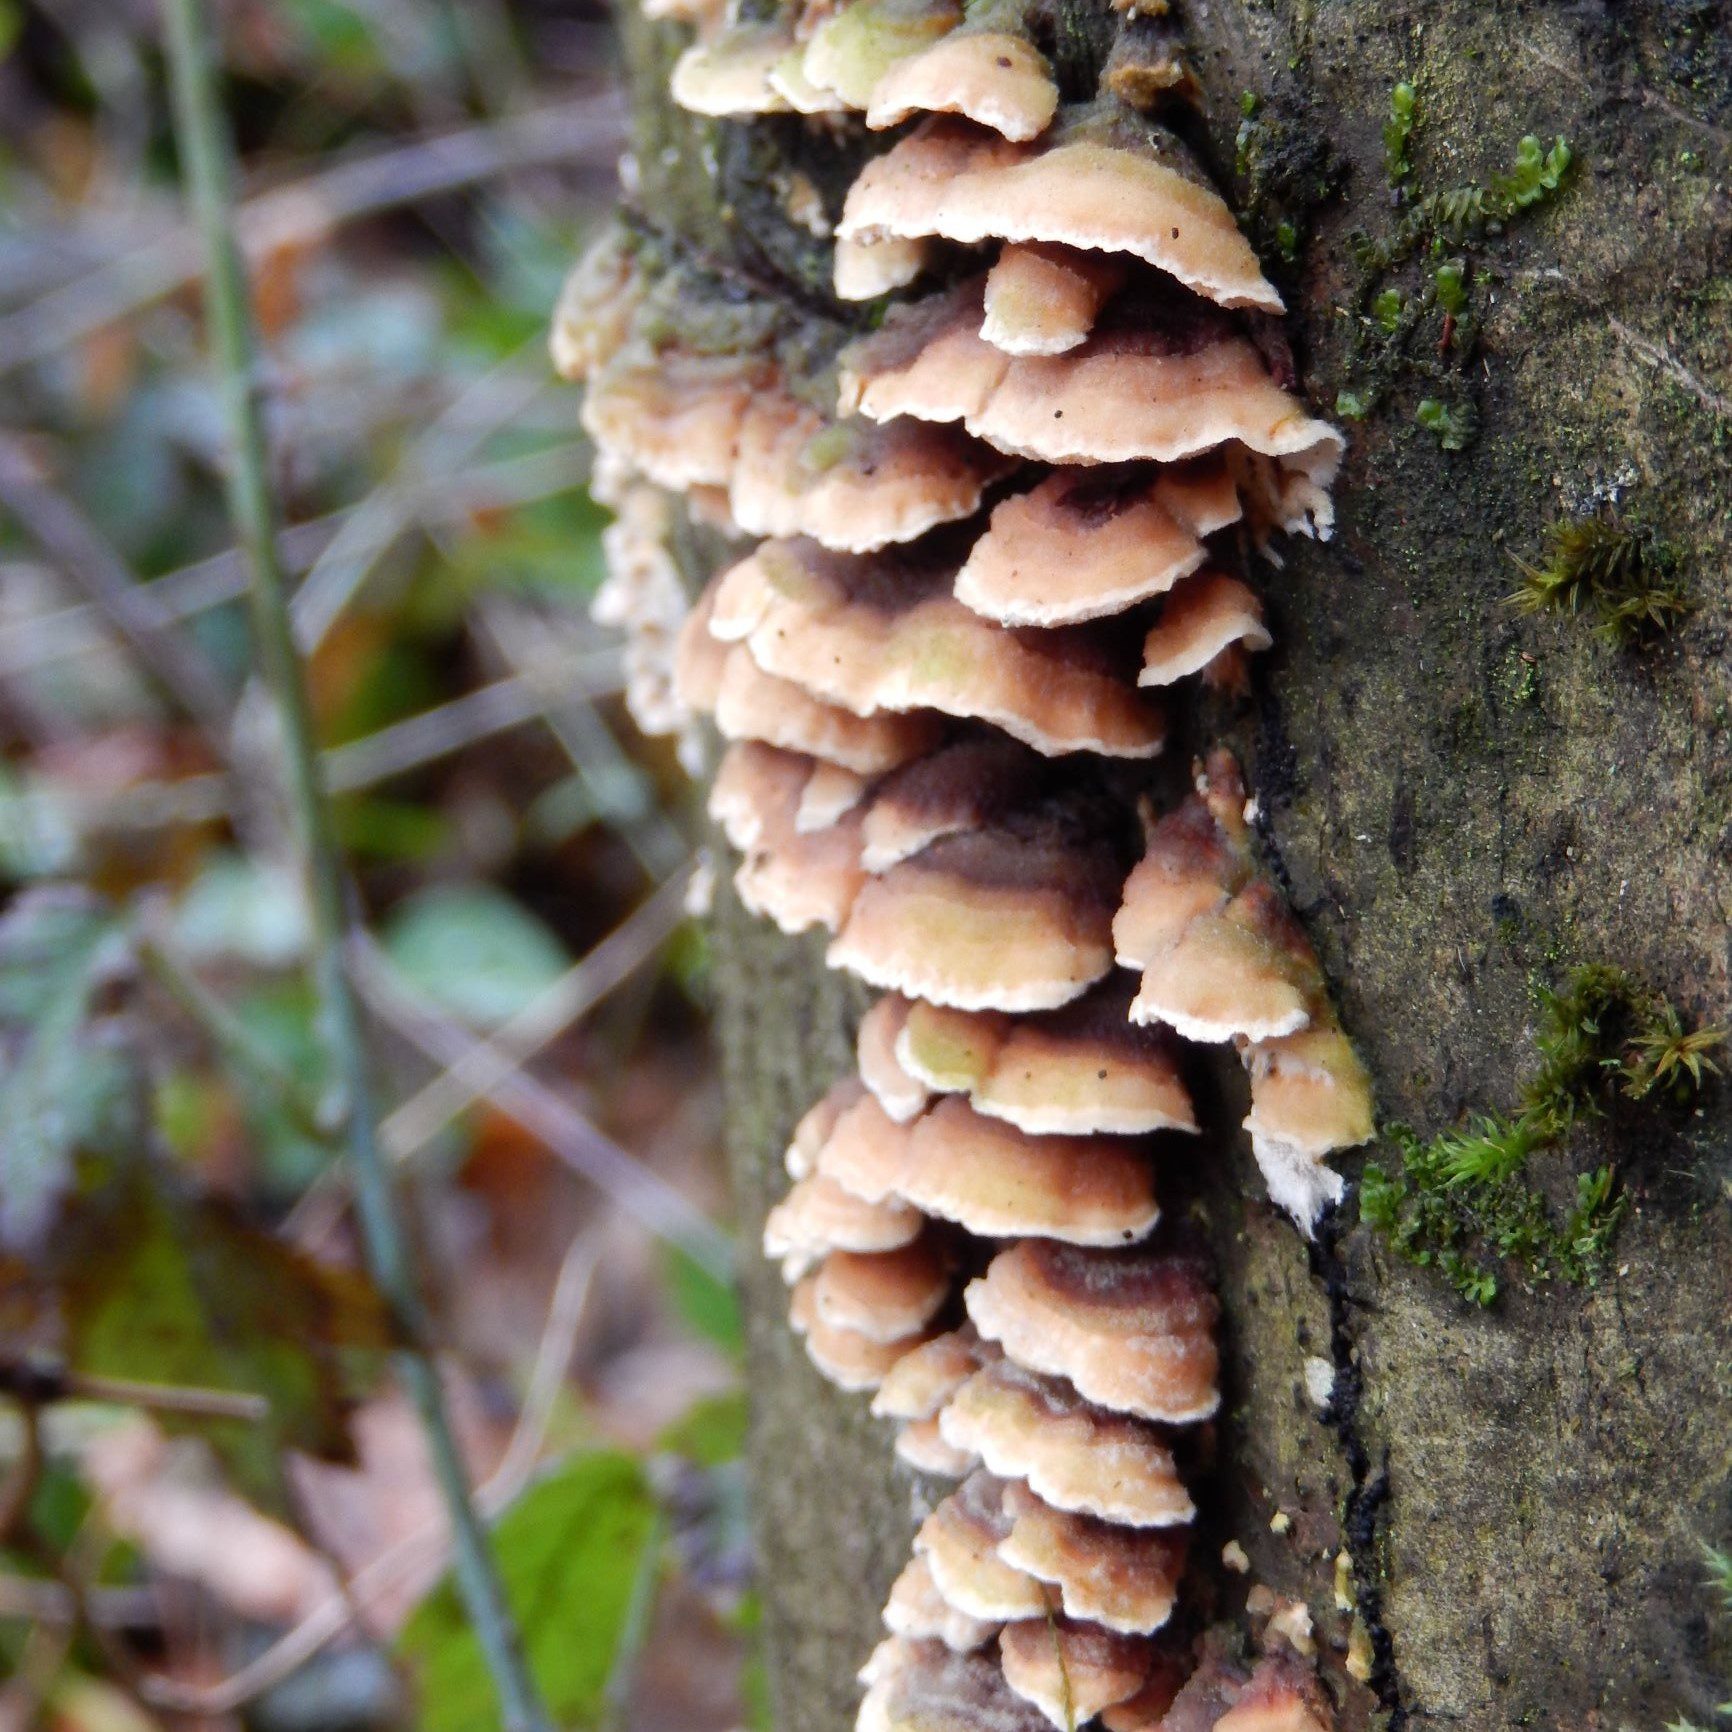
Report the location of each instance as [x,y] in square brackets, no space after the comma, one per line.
[1451,281]
[65,1083]
[1398,131]
[1386,310]
[706,1306]
[239,910]
[473,951]
[571,1552]
[711,1432]
[163,1287]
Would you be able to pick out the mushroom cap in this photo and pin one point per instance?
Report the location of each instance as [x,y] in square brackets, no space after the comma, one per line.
[848,1359]
[884,1295]
[901,1095]
[789,80]
[756,790]
[928,1688]
[1080,1069]
[849,484]
[1076,1456]
[1125,1579]
[992,77]
[997,1181]
[818,1216]
[864,270]
[750,704]
[1069,1670]
[1310,1095]
[593,316]
[831,791]
[960,1541]
[1282,1695]
[884,634]
[1196,858]
[927,1378]
[1132,1330]
[730,73]
[963,785]
[1245,973]
[1202,496]
[816,1124]
[1146,1711]
[800,881]
[700,660]
[675,417]
[921,1444]
[1203,616]
[1311,1090]
[997,919]
[1077,547]
[1043,300]
[866,1151]
[918,1611]
[853,49]
[946,179]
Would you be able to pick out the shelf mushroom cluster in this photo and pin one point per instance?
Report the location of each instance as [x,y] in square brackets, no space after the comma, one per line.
[986,547]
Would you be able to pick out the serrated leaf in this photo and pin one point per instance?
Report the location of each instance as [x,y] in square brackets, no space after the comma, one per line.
[65,1083]
[473,951]
[163,1287]
[571,1552]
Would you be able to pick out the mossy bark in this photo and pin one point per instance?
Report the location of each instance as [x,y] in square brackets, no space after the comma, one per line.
[1461,800]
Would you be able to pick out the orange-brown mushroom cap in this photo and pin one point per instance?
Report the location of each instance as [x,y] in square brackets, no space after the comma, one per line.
[918,1611]
[853,49]
[963,924]
[1282,1696]
[997,1181]
[963,785]
[1025,1425]
[991,77]
[818,1216]
[1178,1697]
[1197,857]
[927,1378]
[1084,1068]
[1132,1330]
[901,1095]
[1125,1579]
[1244,973]
[960,1541]
[1070,1670]
[1077,547]
[921,1444]
[866,1151]
[884,1295]
[927,1688]
[947,179]
[816,1124]
[1204,615]
[800,881]
[1044,300]
[884,634]
[1310,1095]
[864,270]
[847,1358]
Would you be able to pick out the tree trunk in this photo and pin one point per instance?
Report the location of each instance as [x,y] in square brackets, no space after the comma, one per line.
[1462,799]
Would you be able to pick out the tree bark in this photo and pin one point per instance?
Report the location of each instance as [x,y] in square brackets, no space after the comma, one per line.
[1461,799]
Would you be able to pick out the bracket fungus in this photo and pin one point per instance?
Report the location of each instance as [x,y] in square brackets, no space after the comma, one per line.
[950,539]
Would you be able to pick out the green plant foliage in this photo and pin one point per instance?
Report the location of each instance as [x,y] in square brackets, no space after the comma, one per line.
[1450,282]
[474,951]
[708,1307]
[1398,132]
[710,1433]
[1454,423]
[1538,173]
[1386,309]
[1464,1195]
[165,1287]
[571,1551]
[1610,568]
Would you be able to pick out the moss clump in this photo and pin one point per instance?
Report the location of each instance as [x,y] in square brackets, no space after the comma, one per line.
[1618,572]
[1464,1197]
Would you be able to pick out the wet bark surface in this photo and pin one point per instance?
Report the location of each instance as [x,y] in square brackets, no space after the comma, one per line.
[1462,801]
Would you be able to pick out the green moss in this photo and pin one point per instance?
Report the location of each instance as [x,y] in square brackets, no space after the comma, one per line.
[1464,1198]
[1606,566]
[1398,132]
